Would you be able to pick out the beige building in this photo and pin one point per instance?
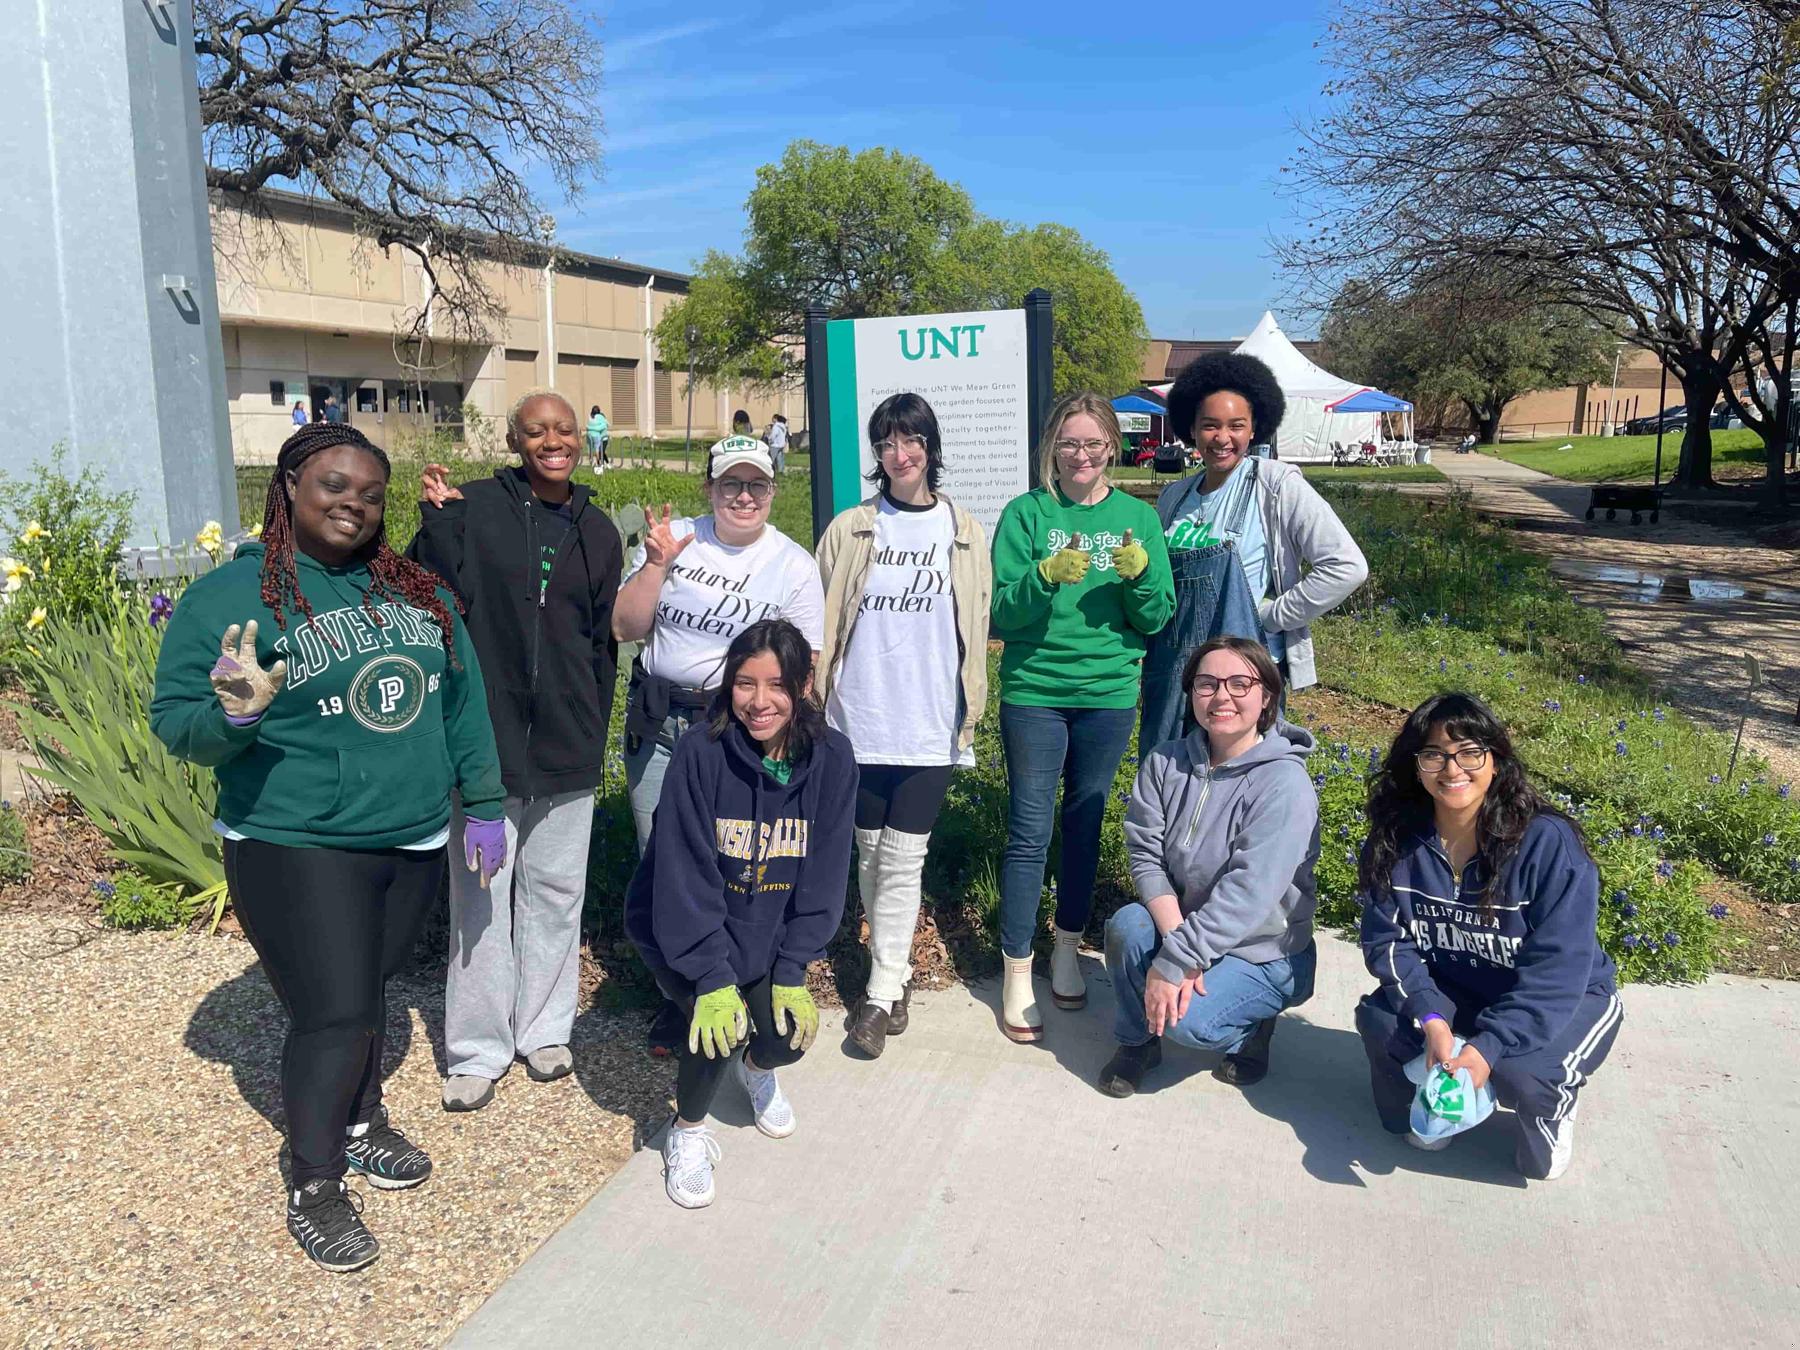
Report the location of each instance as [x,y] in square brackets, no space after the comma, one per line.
[309,311]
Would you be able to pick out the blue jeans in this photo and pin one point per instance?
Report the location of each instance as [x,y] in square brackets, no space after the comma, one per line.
[644,770]
[1239,993]
[1078,750]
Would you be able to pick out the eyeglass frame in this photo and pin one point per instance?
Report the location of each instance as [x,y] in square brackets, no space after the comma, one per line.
[913,441]
[1446,756]
[1088,450]
[1250,682]
[746,487]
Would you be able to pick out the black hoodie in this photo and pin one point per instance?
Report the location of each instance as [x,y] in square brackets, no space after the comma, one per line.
[539,589]
[745,875]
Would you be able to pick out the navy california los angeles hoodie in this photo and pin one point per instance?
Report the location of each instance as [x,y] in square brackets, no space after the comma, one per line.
[1516,973]
[744,875]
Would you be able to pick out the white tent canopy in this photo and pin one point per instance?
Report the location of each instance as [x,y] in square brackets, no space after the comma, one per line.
[1310,425]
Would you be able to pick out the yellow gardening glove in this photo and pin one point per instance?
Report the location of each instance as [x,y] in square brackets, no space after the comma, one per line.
[720,1023]
[1067,565]
[1129,559]
[793,1001]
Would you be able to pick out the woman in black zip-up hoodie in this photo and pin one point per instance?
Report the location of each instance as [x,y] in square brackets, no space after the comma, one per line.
[537,564]
[743,886]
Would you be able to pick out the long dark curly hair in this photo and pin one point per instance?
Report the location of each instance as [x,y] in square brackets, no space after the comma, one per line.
[793,653]
[1398,800]
[392,577]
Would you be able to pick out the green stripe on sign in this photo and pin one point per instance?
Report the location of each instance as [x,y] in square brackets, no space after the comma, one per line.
[846,416]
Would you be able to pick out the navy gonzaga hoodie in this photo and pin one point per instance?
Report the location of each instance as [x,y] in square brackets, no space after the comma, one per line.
[1511,978]
[745,875]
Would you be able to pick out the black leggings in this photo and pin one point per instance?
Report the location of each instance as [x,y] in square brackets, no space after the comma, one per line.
[905,798]
[330,926]
[697,1079]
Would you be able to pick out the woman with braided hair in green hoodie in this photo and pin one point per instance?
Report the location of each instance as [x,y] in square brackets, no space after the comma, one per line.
[331,688]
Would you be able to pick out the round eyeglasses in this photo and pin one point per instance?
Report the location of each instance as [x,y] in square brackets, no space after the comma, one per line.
[1235,685]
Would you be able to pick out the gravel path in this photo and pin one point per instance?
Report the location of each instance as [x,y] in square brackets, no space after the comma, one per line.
[1656,584]
[139,1153]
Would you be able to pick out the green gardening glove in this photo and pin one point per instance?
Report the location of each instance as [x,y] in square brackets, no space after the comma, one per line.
[1129,559]
[792,1001]
[720,1023]
[1067,565]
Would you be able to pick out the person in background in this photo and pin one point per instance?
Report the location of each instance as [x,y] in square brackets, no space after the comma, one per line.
[1081,581]
[777,438]
[598,437]
[1223,835]
[903,674]
[1480,901]
[742,887]
[334,411]
[741,424]
[1254,550]
[299,416]
[329,685]
[551,663]
[692,586]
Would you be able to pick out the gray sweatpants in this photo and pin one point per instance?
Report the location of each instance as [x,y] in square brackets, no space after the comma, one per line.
[515,948]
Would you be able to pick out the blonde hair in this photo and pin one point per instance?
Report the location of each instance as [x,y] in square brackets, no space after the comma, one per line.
[518,406]
[1084,401]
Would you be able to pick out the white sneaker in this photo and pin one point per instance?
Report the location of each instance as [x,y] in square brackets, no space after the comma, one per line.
[688,1158]
[774,1116]
[1562,1149]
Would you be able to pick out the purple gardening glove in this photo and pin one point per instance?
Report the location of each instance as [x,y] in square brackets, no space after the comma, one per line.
[484,847]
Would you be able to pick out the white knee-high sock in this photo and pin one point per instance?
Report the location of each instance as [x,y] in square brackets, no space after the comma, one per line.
[895,912]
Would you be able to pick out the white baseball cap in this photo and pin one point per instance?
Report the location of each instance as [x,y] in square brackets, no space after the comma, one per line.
[735,450]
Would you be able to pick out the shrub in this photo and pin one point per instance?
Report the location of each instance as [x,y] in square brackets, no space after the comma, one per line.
[130,900]
[15,847]
[67,538]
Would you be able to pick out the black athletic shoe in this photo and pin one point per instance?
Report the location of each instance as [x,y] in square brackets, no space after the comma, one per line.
[325,1217]
[386,1157]
[1126,1069]
[1250,1065]
[668,1033]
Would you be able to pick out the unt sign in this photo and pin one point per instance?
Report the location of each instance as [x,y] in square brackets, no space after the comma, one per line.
[976,370]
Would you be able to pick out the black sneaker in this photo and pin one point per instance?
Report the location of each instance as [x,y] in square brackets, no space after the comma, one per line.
[386,1157]
[1250,1065]
[668,1033]
[325,1217]
[1126,1069]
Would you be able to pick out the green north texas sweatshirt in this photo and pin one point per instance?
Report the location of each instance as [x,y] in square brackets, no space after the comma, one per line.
[1081,645]
[361,749]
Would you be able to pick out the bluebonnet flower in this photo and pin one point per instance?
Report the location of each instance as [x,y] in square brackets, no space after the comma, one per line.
[1350,856]
[1581,679]
[160,608]
[1671,938]
[1631,940]
[1443,666]
[1621,724]
[1637,831]
[1343,751]
[1657,713]
[1318,780]
[1784,791]
[1665,868]
[1552,705]
[5,806]
[105,888]
[1619,897]
[1668,768]
[1629,910]
[1658,832]
[1714,778]
[1768,841]
[1794,864]
[1717,910]
[1743,789]
[1650,943]
[1509,674]
[1501,650]
[1619,748]
[1343,832]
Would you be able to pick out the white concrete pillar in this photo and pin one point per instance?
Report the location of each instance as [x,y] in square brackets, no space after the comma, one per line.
[647,399]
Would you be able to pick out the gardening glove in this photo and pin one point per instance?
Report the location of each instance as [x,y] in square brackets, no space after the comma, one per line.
[792,1001]
[1129,559]
[1068,564]
[484,847]
[720,1023]
[244,688]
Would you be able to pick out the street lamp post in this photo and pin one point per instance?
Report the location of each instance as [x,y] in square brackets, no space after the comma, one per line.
[1612,399]
[687,450]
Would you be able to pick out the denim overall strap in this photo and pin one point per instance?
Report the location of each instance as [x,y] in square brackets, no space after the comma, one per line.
[1212,599]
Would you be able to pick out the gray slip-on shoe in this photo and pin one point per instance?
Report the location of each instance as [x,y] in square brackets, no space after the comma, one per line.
[548,1063]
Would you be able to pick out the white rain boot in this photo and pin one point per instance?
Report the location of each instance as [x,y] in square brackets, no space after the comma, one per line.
[1018,1002]
[1067,987]
[894,913]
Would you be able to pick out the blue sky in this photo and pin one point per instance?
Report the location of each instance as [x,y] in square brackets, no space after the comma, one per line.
[1157,131]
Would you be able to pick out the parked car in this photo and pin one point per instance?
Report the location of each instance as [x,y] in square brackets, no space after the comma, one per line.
[1672,419]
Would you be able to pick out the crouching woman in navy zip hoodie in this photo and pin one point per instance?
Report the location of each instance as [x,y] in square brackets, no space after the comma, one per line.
[742,886]
[1479,909]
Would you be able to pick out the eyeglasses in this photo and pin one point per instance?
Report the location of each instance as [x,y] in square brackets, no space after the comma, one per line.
[1236,685]
[1469,757]
[759,489]
[1084,449]
[912,444]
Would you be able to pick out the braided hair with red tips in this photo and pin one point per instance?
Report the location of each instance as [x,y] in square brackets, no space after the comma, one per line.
[392,576]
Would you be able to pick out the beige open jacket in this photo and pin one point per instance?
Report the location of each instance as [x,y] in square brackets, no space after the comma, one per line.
[844,553]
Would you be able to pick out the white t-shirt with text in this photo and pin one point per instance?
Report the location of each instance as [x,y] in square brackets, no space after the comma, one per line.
[714,591]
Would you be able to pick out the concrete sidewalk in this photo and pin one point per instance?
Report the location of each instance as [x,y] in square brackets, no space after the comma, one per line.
[964,1191]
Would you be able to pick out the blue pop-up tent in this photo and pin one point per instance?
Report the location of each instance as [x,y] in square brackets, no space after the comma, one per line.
[1371,400]
[1133,403]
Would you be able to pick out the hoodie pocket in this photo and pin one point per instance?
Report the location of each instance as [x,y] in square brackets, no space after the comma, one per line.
[387,787]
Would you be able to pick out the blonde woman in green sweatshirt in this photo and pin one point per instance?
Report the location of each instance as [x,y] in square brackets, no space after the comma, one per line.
[1081,581]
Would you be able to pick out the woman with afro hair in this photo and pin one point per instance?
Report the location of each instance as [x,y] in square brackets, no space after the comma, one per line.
[1255,551]
[331,688]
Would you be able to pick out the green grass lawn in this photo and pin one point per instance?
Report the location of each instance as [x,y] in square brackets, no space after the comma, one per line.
[1623,459]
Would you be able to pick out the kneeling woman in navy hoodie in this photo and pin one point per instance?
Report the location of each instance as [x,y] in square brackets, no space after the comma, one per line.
[1479,906]
[742,885]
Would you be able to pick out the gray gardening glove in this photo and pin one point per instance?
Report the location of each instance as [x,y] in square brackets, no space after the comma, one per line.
[244,688]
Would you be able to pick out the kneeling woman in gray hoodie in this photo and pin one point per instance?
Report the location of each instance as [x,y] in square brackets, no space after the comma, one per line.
[1223,834]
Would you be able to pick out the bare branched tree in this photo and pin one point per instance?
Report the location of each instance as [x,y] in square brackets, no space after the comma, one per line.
[1638,159]
[423,117]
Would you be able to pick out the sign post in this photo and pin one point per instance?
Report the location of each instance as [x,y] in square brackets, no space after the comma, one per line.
[985,373]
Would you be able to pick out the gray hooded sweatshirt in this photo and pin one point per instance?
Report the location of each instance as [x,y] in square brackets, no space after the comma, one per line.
[1235,844]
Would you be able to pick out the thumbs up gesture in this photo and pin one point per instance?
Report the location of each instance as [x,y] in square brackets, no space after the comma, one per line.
[1067,565]
[1129,559]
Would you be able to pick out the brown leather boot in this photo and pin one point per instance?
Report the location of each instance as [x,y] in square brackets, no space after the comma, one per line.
[900,1017]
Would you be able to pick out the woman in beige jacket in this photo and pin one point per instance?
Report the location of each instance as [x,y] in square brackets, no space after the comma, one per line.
[903,674]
